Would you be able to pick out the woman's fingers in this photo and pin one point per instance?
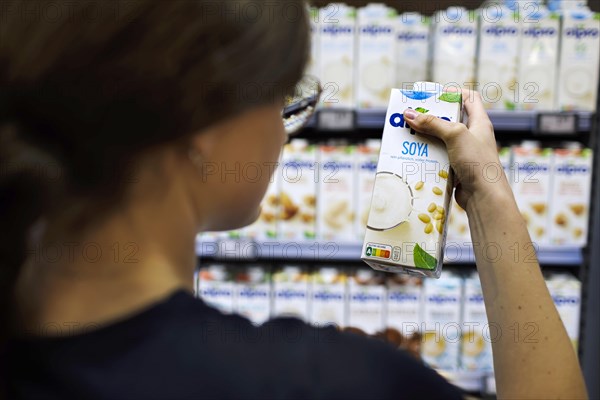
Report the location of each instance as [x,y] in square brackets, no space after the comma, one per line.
[434,126]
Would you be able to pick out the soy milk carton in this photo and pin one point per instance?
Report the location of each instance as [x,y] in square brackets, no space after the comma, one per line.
[571,191]
[253,293]
[412,49]
[328,297]
[376,50]
[476,349]
[404,304]
[336,203]
[441,322]
[538,62]
[337,27]
[367,155]
[298,186]
[265,226]
[579,60]
[406,228]
[566,292]
[290,292]
[217,287]
[454,47]
[531,187]
[366,300]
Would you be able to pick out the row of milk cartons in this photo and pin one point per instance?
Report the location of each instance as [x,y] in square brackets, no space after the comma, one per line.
[447,315]
[320,192]
[518,55]
[552,188]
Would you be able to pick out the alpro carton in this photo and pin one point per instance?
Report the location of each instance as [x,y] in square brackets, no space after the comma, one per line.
[406,228]
[404,304]
[265,226]
[366,300]
[441,322]
[571,191]
[499,39]
[532,173]
[298,186]
[217,287]
[336,203]
[337,24]
[328,297]
[375,51]
[579,60]
[566,292]
[476,349]
[291,292]
[454,47]
[313,62]
[253,293]
[367,155]
[412,49]
[538,61]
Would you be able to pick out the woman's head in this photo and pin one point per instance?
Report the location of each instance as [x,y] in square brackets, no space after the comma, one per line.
[99,98]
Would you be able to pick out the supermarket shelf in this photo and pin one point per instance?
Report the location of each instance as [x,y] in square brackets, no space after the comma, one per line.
[502,120]
[246,250]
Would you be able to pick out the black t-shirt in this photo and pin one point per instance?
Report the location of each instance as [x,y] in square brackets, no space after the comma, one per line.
[182,349]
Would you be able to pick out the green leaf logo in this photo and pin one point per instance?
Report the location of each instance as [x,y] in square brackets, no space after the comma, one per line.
[421,110]
[450,97]
[509,105]
[423,259]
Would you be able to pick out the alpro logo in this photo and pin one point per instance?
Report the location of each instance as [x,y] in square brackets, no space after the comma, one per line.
[533,167]
[375,30]
[216,292]
[403,297]
[291,294]
[475,298]
[365,297]
[458,30]
[249,293]
[582,33]
[397,119]
[328,296]
[572,169]
[499,31]
[441,299]
[336,166]
[412,36]
[565,300]
[299,164]
[538,32]
[369,166]
[335,30]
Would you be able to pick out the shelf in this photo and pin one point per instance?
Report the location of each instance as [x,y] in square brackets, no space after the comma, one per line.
[502,120]
[246,250]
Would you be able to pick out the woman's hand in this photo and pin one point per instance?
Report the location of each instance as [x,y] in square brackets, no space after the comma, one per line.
[471,148]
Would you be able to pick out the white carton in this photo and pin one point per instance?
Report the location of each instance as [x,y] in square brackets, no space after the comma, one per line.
[265,226]
[328,297]
[538,62]
[476,350]
[337,24]
[366,156]
[313,65]
[406,229]
[291,292]
[253,293]
[531,187]
[216,287]
[297,198]
[499,39]
[441,322]
[375,50]
[412,49]
[571,191]
[454,47]
[366,301]
[459,234]
[404,304]
[336,203]
[579,60]
[566,293]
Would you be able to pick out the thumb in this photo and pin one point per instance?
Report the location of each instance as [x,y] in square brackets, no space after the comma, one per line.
[431,125]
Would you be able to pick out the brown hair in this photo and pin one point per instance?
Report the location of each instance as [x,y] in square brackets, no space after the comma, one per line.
[85,87]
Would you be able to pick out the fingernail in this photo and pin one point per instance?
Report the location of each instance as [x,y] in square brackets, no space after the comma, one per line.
[410,114]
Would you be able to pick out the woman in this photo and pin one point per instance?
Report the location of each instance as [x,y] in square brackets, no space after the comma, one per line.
[109,123]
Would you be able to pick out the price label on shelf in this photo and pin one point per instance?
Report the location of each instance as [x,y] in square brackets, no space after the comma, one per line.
[336,120]
[557,124]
